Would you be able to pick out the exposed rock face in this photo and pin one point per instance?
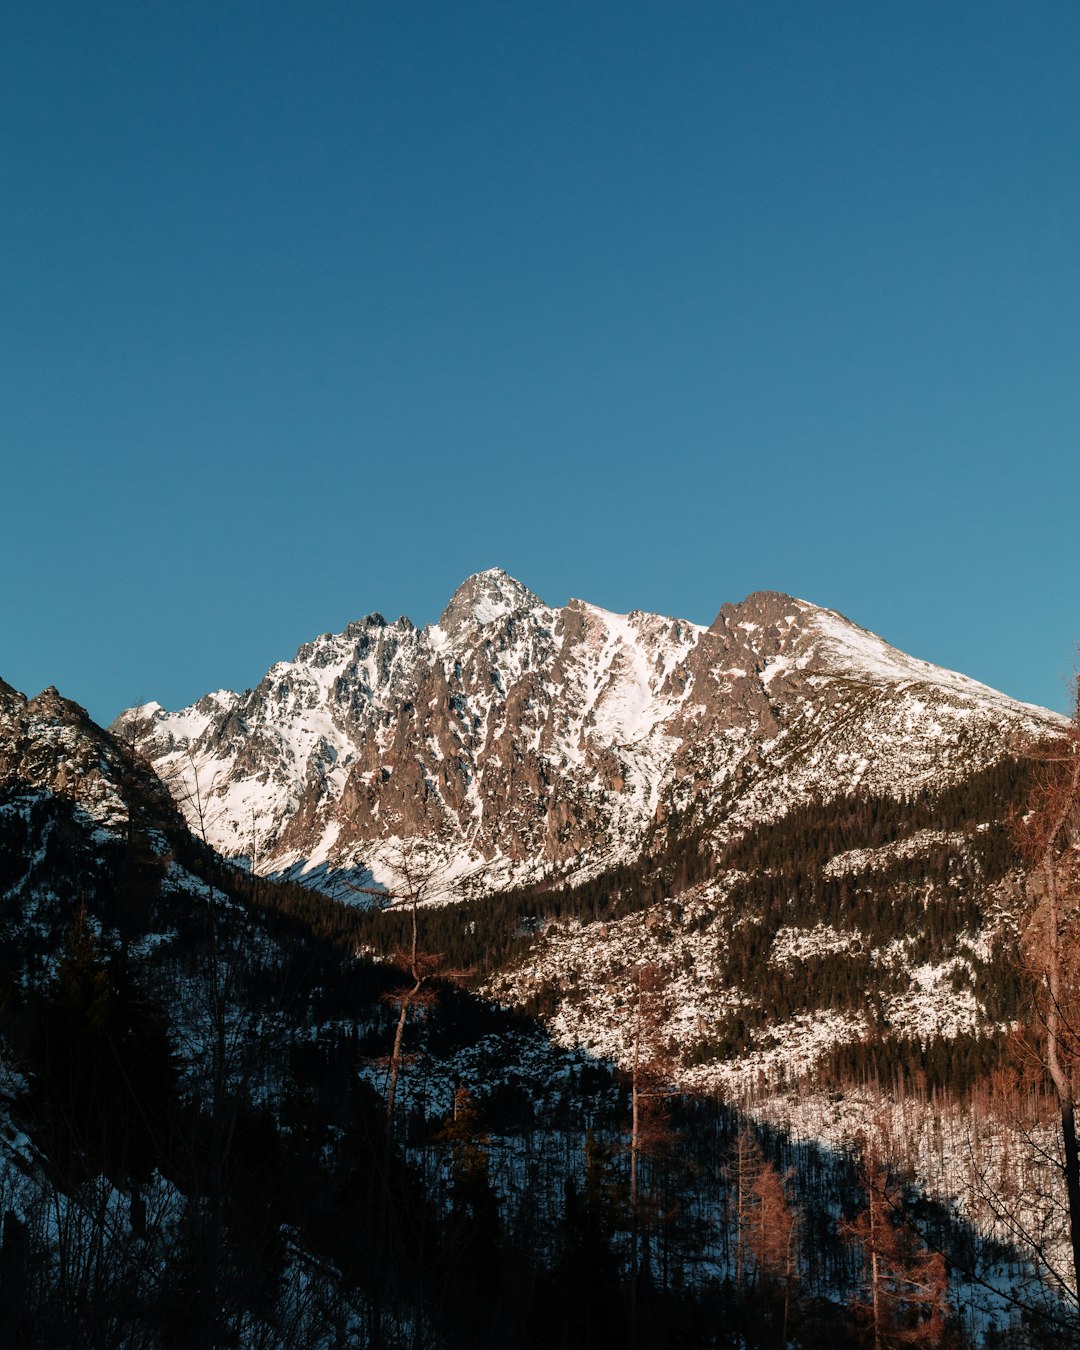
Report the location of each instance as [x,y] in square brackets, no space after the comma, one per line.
[49,745]
[485,598]
[523,739]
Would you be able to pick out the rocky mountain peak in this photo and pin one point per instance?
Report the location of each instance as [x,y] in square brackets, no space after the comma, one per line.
[485,597]
[49,744]
[11,700]
[359,627]
[51,705]
[561,741]
[761,609]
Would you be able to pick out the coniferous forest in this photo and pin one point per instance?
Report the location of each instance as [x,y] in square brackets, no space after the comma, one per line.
[200,1148]
[671,942]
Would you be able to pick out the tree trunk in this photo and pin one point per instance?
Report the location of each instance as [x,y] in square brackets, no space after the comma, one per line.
[395,1056]
[1061,804]
[399,1034]
[1059,1074]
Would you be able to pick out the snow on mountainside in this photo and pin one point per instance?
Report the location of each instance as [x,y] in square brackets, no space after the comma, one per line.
[81,818]
[524,741]
[50,747]
[801,830]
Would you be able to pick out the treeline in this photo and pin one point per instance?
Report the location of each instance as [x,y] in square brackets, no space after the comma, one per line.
[240,1190]
[919,905]
[205,1155]
[804,839]
[492,930]
[784,859]
[905,1066]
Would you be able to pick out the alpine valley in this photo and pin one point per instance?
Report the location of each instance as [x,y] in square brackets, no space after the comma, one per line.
[522,980]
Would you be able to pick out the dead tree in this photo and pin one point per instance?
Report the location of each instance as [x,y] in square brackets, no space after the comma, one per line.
[904,1298]
[742,1173]
[650,1079]
[1049,836]
[773,1235]
[416,870]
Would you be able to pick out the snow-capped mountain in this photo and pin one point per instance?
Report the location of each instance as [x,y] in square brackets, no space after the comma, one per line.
[801,831]
[523,740]
[82,822]
[49,748]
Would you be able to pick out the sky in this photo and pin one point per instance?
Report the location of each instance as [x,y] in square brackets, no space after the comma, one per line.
[313,309]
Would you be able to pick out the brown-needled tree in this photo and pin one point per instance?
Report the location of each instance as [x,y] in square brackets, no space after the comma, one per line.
[1049,836]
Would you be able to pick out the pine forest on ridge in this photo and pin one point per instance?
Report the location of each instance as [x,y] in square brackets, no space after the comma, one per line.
[538,977]
[539,697]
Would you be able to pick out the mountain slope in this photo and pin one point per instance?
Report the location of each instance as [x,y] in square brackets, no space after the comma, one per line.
[188,1049]
[195,1148]
[524,741]
[49,745]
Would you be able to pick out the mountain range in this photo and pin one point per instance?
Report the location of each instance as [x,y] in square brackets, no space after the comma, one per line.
[799,839]
[525,742]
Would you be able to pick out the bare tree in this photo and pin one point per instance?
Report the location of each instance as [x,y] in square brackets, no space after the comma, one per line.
[650,1088]
[741,1172]
[905,1287]
[773,1235]
[1049,835]
[417,869]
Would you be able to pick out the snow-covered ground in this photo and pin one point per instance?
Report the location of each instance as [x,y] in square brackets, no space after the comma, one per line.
[538,740]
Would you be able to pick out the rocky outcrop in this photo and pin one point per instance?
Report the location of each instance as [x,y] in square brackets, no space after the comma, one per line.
[522,739]
[49,745]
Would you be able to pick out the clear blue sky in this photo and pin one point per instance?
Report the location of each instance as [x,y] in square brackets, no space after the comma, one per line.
[310,309]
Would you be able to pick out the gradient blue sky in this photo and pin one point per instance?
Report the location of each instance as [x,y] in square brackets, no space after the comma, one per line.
[310,309]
